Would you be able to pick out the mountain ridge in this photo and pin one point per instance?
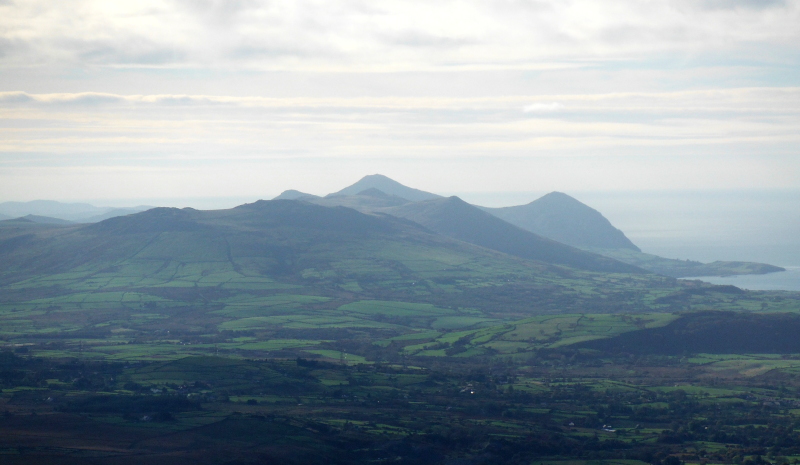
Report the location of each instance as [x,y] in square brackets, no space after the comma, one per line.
[460,220]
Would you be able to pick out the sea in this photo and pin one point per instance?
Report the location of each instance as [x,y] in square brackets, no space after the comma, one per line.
[735,225]
[788,280]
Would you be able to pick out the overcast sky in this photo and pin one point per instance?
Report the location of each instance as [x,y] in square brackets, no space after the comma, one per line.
[246,98]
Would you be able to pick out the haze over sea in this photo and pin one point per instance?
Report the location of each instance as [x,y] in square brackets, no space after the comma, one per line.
[743,225]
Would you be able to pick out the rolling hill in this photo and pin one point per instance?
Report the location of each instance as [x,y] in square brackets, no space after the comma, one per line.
[293,264]
[287,274]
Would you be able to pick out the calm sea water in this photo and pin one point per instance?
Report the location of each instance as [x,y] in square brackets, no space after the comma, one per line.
[755,225]
[788,280]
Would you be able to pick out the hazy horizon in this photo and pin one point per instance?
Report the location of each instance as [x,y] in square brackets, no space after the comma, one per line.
[744,225]
[690,106]
[187,100]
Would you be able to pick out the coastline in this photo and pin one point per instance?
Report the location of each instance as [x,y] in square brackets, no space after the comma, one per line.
[788,280]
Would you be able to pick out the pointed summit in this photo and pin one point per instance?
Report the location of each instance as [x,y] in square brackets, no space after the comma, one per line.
[562,218]
[387,186]
[292,194]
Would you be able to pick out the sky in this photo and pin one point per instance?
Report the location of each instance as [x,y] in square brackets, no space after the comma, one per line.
[137,100]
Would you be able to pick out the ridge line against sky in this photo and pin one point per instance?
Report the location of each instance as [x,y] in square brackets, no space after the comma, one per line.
[168,99]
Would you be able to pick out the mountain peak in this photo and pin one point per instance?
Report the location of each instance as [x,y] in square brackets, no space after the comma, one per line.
[565,219]
[387,186]
[292,194]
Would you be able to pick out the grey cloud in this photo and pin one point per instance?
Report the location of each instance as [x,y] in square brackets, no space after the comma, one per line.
[15,97]
[127,52]
[9,47]
[423,39]
[627,34]
[536,6]
[268,51]
[222,13]
[80,99]
[747,4]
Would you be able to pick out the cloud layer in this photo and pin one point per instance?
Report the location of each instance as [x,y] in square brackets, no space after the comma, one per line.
[689,139]
[384,36]
[184,98]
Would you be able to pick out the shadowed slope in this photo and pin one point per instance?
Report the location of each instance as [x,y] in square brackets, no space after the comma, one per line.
[711,332]
[455,218]
[564,219]
[367,201]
